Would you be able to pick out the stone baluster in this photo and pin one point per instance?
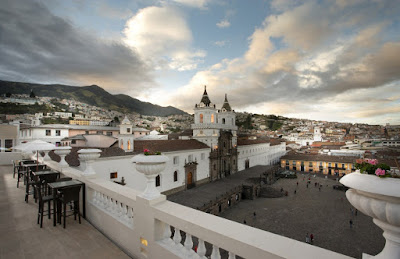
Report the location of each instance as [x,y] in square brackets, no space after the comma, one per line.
[167,235]
[201,249]
[231,255]
[120,211]
[189,245]
[177,238]
[103,200]
[94,198]
[109,204]
[215,253]
[125,217]
[130,216]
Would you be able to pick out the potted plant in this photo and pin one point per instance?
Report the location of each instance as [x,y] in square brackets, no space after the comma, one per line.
[376,193]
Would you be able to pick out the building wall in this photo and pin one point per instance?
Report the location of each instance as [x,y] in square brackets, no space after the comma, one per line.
[136,180]
[9,133]
[74,132]
[260,154]
[318,166]
[40,133]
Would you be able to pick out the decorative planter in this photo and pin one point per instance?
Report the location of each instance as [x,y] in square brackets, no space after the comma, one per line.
[150,166]
[378,198]
[89,155]
[46,155]
[62,152]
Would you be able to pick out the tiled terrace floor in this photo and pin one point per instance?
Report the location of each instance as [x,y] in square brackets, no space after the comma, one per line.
[21,237]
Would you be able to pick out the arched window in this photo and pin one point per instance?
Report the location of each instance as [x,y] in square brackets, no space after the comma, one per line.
[201,118]
[122,144]
[129,145]
[158,181]
[175,176]
[223,121]
[212,118]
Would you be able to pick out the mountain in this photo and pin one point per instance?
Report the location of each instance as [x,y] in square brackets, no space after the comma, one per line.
[93,95]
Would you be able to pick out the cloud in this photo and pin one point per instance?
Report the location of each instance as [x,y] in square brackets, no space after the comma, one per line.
[162,37]
[193,3]
[38,46]
[305,56]
[220,43]
[223,24]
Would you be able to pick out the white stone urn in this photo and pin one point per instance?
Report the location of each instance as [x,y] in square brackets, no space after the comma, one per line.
[378,198]
[150,166]
[63,152]
[89,155]
[46,155]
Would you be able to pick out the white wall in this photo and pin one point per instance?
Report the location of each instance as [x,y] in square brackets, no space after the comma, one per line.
[7,157]
[40,133]
[136,180]
[260,154]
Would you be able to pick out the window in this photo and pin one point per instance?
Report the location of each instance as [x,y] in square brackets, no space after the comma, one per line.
[343,166]
[73,141]
[175,176]
[203,156]
[109,133]
[310,164]
[212,118]
[330,164]
[48,132]
[128,130]
[99,132]
[58,133]
[294,162]
[158,181]
[176,160]
[8,143]
[223,121]
[113,175]
[201,118]
[86,132]
[129,145]
[336,165]
[320,163]
[287,162]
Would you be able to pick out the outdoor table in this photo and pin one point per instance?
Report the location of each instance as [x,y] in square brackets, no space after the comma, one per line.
[66,184]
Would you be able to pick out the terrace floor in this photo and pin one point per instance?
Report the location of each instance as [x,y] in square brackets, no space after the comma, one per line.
[21,237]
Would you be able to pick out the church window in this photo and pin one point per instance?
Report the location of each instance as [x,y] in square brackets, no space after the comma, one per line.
[128,130]
[158,181]
[212,118]
[129,145]
[223,121]
[176,160]
[201,118]
[175,176]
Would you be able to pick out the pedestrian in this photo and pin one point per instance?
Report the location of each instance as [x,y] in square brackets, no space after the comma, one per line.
[355,213]
[254,213]
[307,239]
[297,183]
[312,238]
[244,221]
[351,209]
[315,184]
[294,191]
[351,223]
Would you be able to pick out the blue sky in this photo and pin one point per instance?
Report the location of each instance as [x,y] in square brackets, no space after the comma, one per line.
[323,60]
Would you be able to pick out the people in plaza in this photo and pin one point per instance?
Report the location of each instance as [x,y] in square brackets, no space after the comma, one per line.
[307,239]
[355,213]
[254,214]
[311,238]
[351,223]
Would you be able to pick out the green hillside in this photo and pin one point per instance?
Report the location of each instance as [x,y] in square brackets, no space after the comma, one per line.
[93,95]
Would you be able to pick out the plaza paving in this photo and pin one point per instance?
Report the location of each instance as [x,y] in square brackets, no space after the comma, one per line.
[324,213]
[21,237]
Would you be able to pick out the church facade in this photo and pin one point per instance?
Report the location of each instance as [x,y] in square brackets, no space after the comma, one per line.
[217,129]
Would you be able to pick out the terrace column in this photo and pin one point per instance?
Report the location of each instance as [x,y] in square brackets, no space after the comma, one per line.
[63,152]
[89,155]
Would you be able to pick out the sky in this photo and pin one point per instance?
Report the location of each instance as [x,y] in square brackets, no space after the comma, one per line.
[321,60]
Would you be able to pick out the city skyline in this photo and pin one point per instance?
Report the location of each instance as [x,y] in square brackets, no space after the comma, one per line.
[318,60]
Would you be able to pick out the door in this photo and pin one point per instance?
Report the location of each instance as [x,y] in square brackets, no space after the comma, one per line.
[189,179]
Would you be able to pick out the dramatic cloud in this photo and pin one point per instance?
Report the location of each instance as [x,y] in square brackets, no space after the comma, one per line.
[162,37]
[37,46]
[305,56]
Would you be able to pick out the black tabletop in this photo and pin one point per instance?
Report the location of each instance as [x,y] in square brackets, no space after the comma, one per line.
[57,185]
[44,172]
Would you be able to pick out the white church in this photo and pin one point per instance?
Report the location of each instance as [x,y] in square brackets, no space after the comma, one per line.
[213,152]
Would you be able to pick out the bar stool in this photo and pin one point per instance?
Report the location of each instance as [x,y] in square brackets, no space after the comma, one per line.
[69,196]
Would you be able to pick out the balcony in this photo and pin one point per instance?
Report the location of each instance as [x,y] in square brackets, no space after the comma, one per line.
[157,228]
